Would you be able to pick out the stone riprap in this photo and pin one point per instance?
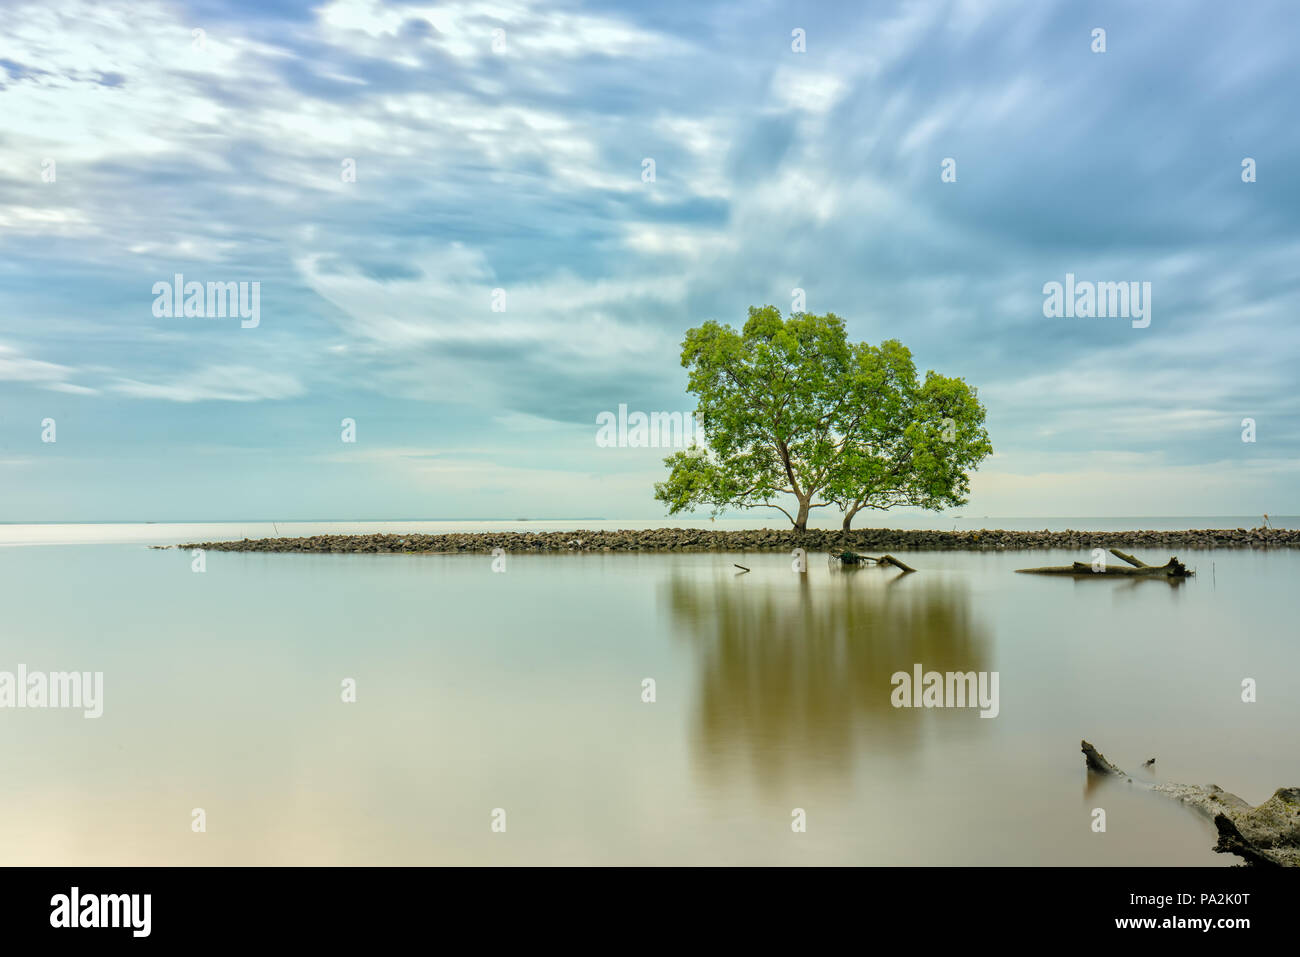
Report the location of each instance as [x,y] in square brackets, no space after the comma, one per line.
[761,539]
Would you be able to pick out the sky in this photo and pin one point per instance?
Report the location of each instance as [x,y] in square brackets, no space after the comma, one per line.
[501,269]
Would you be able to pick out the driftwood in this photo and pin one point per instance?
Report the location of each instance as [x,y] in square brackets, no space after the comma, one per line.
[853,558]
[1136,562]
[1231,841]
[1140,569]
[1096,761]
[1265,836]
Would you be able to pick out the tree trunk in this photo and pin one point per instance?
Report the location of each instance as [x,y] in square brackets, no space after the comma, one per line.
[848,517]
[801,520]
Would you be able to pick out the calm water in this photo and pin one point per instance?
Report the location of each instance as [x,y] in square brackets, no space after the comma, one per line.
[522,690]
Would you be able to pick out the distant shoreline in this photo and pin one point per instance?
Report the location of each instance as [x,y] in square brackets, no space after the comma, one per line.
[760,539]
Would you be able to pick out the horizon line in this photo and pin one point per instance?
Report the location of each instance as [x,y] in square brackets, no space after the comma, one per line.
[342,521]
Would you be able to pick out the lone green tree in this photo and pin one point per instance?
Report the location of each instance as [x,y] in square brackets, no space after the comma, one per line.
[790,407]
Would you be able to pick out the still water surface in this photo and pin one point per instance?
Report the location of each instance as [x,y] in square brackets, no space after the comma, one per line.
[522,690]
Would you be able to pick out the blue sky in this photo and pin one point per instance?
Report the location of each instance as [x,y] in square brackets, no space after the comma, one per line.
[520,168]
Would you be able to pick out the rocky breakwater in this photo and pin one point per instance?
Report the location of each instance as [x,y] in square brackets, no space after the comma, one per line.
[762,539]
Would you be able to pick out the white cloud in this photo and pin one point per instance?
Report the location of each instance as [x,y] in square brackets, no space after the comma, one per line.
[465,29]
[15,367]
[45,221]
[797,89]
[451,303]
[223,383]
[689,243]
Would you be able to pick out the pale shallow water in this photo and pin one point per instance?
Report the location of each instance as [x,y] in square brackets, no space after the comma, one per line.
[522,690]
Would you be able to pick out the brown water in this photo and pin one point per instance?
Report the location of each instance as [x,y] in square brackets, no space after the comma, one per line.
[522,690]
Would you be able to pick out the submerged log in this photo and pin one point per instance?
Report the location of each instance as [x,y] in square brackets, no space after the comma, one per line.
[853,558]
[1265,836]
[1170,569]
[891,560]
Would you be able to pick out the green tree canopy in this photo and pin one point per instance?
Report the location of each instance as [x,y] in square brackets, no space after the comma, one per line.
[790,407]
[909,442]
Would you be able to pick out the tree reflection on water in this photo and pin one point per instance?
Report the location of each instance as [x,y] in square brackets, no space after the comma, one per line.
[795,668]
